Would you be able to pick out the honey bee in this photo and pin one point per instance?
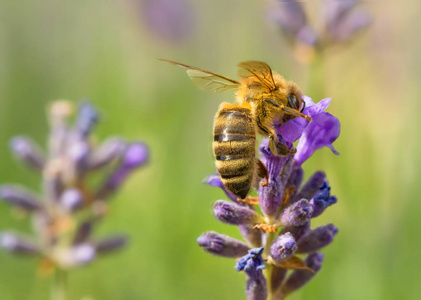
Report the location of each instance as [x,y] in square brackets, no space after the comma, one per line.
[264,100]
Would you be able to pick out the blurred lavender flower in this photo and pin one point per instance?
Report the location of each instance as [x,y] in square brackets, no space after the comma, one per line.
[69,207]
[171,20]
[341,21]
[286,204]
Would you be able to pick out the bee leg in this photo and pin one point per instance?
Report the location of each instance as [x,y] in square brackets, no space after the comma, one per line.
[280,149]
[275,146]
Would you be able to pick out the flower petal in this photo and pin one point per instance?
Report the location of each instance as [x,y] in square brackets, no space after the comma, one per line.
[321,132]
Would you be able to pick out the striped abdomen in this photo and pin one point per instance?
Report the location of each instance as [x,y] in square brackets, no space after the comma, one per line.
[234,147]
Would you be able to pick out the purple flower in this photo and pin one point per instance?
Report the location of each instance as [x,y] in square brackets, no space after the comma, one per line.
[253,264]
[322,200]
[27,151]
[340,24]
[252,261]
[283,247]
[71,199]
[316,239]
[292,20]
[222,245]
[286,204]
[297,231]
[321,132]
[270,195]
[87,118]
[135,155]
[297,214]
[231,213]
[293,129]
[16,244]
[111,243]
[20,197]
[169,19]
[107,152]
[311,187]
[215,180]
[65,214]
[344,20]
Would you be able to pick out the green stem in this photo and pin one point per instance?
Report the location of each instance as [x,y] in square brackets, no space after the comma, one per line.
[316,86]
[59,285]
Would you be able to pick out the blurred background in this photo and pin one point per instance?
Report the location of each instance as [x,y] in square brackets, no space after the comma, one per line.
[106,51]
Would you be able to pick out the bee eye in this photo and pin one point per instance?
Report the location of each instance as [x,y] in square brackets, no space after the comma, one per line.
[293,102]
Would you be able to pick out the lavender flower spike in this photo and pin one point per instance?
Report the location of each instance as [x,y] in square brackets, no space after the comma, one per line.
[285,204]
[231,213]
[316,239]
[65,213]
[222,245]
[283,248]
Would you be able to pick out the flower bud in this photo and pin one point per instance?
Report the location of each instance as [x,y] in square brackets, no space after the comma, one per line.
[290,17]
[87,118]
[252,261]
[283,247]
[316,239]
[20,197]
[322,200]
[78,153]
[215,180]
[222,245]
[297,213]
[77,255]
[134,156]
[311,187]
[231,213]
[27,151]
[299,278]
[256,287]
[295,178]
[107,152]
[71,199]
[15,244]
[111,243]
[83,232]
[296,231]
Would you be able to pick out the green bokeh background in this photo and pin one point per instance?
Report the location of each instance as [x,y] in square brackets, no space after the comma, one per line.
[104,50]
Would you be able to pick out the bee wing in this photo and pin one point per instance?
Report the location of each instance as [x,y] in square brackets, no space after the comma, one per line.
[207,80]
[258,69]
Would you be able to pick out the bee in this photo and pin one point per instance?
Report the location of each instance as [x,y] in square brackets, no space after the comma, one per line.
[264,100]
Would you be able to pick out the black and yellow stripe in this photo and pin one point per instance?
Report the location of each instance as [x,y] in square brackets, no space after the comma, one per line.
[234,147]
